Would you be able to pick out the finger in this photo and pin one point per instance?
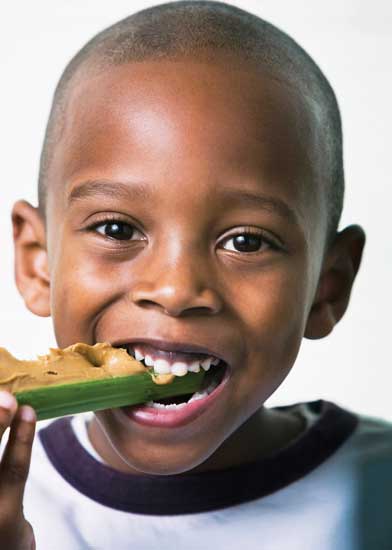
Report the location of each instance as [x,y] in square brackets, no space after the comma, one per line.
[28,536]
[8,406]
[14,467]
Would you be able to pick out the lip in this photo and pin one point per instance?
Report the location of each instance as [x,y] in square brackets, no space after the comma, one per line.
[167,345]
[161,418]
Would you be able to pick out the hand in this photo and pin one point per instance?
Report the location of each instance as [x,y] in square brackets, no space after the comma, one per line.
[15,531]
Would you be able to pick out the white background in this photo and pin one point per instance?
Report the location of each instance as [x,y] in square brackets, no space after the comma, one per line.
[352,43]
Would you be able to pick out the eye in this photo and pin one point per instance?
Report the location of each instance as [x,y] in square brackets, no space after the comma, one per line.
[116,229]
[249,241]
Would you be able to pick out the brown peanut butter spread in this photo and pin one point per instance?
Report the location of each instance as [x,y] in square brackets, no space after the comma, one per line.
[77,363]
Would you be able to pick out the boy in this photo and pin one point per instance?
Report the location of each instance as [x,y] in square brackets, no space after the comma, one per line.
[190,191]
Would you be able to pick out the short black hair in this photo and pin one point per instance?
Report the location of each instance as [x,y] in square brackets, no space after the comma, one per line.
[184,28]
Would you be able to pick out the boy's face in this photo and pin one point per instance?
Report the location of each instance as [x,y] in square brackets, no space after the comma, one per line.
[200,138]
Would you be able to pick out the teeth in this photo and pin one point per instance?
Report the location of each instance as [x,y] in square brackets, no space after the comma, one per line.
[161,366]
[206,363]
[204,393]
[138,356]
[179,369]
[214,384]
[172,406]
[195,397]
[198,395]
[194,367]
[149,361]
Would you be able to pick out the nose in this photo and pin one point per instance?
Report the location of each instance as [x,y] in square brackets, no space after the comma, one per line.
[177,286]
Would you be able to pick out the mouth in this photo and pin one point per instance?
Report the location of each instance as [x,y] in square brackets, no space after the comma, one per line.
[177,359]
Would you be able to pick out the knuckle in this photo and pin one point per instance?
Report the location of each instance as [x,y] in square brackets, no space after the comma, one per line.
[8,522]
[14,474]
[26,436]
[5,418]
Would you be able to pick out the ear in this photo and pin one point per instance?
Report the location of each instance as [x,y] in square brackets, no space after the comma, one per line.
[340,268]
[31,259]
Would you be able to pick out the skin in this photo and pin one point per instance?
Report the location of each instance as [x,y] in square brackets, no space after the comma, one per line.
[15,531]
[189,130]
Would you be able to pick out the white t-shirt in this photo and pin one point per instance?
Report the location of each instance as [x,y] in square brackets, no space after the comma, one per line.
[330,489]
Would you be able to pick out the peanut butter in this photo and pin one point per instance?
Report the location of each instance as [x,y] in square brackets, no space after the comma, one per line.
[77,363]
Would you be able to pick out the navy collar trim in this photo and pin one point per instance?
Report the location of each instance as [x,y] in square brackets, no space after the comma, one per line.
[190,493]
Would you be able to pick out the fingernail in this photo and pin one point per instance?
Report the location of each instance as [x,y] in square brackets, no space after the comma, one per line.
[7,401]
[27,414]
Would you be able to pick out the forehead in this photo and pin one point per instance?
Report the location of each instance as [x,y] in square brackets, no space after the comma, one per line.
[182,117]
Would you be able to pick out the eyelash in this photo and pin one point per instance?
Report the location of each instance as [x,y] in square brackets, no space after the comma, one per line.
[243,231]
[251,231]
[108,221]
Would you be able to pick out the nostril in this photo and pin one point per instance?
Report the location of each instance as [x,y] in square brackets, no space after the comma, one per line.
[178,298]
[150,304]
[182,311]
[146,303]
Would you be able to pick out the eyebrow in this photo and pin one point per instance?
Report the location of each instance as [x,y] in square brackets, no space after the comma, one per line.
[104,188]
[265,202]
[121,190]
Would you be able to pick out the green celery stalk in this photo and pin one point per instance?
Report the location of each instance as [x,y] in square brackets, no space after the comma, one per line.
[94,395]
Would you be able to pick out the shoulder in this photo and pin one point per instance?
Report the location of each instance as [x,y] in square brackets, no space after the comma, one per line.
[370,455]
[372,438]
[360,434]
[342,438]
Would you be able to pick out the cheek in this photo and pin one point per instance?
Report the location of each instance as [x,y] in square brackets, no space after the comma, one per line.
[274,317]
[273,308]
[82,287]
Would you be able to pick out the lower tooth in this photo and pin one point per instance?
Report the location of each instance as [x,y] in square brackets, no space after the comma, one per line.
[205,392]
[212,386]
[198,395]
[157,405]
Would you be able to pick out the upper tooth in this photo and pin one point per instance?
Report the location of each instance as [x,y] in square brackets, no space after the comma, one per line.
[138,356]
[149,361]
[161,366]
[179,369]
[206,363]
[194,367]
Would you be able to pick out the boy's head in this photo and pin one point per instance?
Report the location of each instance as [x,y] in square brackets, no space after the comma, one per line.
[191,186]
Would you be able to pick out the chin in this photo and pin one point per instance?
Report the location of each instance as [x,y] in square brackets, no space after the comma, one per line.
[160,466]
